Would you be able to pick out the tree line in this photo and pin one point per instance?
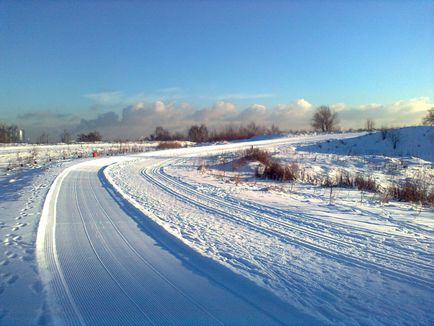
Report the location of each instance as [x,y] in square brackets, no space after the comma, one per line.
[10,133]
[324,120]
[201,133]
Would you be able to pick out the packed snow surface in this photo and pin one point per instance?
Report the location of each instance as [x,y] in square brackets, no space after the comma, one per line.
[403,142]
[186,236]
[22,193]
[102,263]
[344,258]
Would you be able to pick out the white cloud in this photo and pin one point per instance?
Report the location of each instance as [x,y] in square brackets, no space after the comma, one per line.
[399,113]
[338,107]
[256,113]
[219,111]
[141,118]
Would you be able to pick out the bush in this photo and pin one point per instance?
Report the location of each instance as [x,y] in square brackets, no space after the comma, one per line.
[169,145]
[256,154]
[415,191]
[365,184]
[280,172]
[272,169]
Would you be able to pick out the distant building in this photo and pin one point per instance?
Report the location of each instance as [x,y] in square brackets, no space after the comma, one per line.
[11,134]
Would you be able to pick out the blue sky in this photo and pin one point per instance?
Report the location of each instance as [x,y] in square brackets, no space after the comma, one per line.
[84,58]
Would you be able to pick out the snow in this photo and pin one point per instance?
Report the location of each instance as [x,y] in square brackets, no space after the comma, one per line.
[349,259]
[127,227]
[25,155]
[22,193]
[409,141]
[103,263]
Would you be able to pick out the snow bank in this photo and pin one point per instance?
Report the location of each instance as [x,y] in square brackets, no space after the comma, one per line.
[403,142]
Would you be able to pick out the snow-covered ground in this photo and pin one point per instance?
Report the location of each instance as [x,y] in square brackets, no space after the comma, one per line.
[347,258]
[19,155]
[22,194]
[403,142]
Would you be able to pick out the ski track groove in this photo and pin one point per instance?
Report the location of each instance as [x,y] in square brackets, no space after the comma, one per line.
[272,213]
[99,268]
[103,264]
[154,175]
[195,303]
[50,257]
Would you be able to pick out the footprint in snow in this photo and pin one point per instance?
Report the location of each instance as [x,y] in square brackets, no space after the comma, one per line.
[4,262]
[29,251]
[37,287]
[26,258]
[11,255]
[7,242]
[12,279]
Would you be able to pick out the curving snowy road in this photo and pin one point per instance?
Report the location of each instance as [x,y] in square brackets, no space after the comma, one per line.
[101,267]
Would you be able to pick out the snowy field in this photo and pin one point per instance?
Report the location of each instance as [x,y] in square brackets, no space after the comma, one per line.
[24,155]
[344,258]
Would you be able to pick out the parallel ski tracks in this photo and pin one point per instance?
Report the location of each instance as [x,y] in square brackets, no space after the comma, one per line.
[260,220]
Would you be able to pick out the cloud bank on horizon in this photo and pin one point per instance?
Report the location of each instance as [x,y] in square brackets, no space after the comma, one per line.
[140,118]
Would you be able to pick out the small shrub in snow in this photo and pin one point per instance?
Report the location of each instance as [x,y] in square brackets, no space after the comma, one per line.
[365,184]
[279,172]
[416,191]
[169,145]
[256,154]
[271,169]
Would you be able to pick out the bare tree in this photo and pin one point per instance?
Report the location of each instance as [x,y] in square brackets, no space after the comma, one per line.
[198,134]
[324,119]
[9,133]
[66,137]
[43,138]
[429,118]
[370,124]
[394,137]
[90,137]
[161,134]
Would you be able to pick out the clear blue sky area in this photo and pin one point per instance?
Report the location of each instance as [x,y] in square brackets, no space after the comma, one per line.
[53,53]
